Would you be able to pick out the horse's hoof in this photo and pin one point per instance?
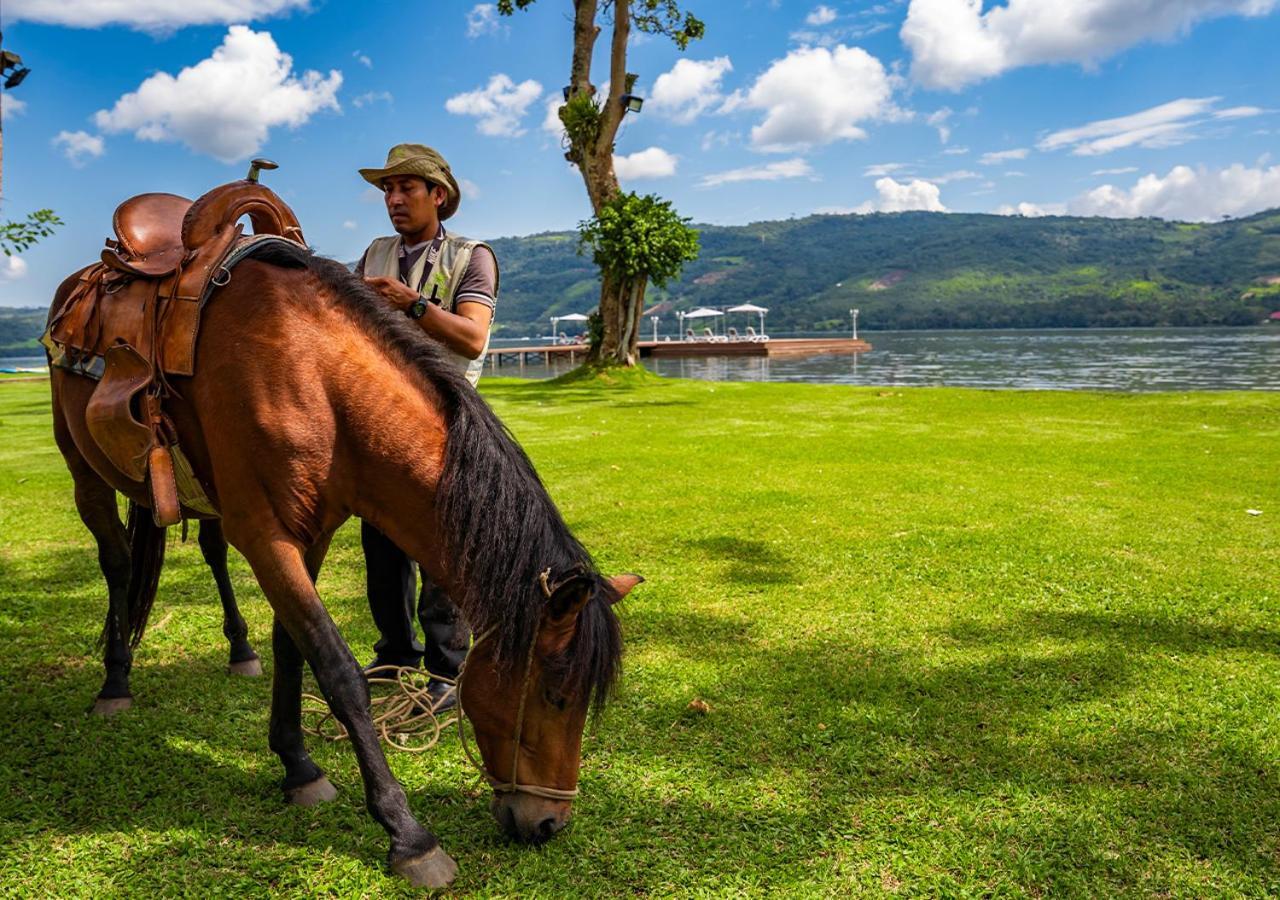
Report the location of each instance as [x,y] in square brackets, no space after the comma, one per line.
[109,706]
[433,869]
[250,668]
[312,793]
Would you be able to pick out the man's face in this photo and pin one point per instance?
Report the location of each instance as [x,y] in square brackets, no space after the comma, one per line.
[412,204]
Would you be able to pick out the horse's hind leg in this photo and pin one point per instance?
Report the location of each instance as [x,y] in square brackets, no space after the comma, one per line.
[214,547]
[415,853]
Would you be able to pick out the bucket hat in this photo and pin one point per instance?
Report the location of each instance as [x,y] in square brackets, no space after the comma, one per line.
[423,161]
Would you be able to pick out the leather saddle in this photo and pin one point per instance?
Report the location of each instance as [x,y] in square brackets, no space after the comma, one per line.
[133,319]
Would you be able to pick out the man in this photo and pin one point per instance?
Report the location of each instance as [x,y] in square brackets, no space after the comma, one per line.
[449,286]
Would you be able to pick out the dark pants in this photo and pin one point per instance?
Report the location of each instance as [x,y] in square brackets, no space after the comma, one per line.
[391,581]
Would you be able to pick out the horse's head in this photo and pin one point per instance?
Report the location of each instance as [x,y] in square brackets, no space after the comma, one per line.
[529,713]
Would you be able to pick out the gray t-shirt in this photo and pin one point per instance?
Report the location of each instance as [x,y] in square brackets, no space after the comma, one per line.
[478,283]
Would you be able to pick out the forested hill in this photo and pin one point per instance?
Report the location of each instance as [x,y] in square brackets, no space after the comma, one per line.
[912,270]
[938,270]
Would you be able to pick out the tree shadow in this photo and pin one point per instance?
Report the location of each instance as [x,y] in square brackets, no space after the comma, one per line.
[741,561]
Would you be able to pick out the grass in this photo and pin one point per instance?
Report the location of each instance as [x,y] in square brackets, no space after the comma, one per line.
[949,642]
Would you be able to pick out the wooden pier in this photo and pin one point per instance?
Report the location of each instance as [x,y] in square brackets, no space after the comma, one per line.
[521,356]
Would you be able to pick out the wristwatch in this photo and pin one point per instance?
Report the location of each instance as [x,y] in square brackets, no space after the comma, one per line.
[417,309]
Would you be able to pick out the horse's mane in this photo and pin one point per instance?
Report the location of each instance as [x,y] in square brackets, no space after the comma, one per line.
[499,526]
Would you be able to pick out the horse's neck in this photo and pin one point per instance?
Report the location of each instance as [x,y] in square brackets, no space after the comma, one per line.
[392,444]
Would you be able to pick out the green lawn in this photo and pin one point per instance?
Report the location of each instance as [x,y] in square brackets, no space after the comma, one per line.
[952,643]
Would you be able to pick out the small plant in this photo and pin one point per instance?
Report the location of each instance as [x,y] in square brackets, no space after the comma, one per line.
[16,237]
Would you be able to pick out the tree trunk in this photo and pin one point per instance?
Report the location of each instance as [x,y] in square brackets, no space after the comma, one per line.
[621,303]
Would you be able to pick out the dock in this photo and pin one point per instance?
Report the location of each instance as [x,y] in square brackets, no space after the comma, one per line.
[521,356]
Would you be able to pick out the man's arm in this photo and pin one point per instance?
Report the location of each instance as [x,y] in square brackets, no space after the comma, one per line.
[465,330]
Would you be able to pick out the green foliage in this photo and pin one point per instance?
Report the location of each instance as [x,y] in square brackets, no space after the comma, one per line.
[19,329]
[637,237]
[665,18]
[18,236]
[581,118]
[947,643]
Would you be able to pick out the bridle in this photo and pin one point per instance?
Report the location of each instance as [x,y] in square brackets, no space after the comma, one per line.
[513,785]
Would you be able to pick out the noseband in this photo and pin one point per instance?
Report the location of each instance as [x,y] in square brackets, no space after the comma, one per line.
[512,786]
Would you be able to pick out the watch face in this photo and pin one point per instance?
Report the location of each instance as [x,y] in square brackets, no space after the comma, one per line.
[417,309]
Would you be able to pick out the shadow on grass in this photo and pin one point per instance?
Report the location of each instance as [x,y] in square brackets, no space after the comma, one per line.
[1065,748]
[742,561]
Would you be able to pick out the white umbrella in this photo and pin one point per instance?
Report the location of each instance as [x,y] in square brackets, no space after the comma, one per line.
[702,312]
[571,317]
[751,308]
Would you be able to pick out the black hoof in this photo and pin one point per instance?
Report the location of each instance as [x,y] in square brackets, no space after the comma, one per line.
[433,869]
[311,793]
[250,668]
[109,706]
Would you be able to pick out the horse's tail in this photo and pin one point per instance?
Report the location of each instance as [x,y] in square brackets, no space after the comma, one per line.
[146,554]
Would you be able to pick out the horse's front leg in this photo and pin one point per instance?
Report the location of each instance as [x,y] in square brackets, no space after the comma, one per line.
[244,661]
[415,853]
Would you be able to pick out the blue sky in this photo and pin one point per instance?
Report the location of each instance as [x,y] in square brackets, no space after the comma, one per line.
[1112,107]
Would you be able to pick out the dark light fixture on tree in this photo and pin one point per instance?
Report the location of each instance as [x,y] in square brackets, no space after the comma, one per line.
[632,102]
[10,60]
[567,91]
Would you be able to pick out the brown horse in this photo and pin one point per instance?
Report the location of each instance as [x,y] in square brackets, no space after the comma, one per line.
[312,402]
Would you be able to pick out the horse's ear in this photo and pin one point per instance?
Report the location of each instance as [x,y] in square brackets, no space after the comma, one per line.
[622,584]
[568,597]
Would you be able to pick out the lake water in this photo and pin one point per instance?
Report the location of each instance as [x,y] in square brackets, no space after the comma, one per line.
[1139,359]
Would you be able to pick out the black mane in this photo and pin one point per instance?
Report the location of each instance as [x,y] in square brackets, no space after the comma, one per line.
[500,527]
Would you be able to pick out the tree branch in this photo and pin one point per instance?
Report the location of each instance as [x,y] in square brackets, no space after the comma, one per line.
[614,110]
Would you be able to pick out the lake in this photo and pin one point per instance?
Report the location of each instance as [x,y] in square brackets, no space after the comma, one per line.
[1137,359]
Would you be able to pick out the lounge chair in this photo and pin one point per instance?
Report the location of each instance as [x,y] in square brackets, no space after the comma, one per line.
[733,334]
[753,336]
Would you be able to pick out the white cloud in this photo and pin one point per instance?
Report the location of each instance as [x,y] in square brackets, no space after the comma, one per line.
[499,105]
[79,146]
[896,196]
[954,43]
[368,98]
[821,15]
[653,162]
[879,170]
[12,107]
[1001,157]
[551,120]
[483,19]
[938,120]
[1188,194]
[363,59]
[225,105]
[816,96]
[790,168]
[1123,170]
[956,151]
[1166,125]
[713,139]
[1239,112]
[1032,210]
[469,188]
[350,225]
[147,15]
[690,88]
[961,175]
[12,268]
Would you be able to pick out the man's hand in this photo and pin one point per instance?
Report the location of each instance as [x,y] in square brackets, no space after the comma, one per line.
[396,292]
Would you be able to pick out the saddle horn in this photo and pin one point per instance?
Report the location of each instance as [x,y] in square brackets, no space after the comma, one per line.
[257,165]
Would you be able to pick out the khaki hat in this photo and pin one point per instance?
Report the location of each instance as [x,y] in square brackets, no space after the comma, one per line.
[420,160]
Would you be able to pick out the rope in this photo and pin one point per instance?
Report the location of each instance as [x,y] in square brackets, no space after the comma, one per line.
[405,717]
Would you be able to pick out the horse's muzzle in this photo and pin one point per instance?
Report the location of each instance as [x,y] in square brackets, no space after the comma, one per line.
[529,819]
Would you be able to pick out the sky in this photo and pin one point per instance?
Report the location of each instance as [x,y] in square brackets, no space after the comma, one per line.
[1167,108]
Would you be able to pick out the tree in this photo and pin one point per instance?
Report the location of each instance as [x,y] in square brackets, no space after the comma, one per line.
[633,240]
[18,236]
[591,126]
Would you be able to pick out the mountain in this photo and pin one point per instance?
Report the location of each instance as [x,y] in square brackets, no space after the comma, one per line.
[937,270]
[912,270]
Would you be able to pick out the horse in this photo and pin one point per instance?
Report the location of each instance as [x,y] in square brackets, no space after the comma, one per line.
[314,401]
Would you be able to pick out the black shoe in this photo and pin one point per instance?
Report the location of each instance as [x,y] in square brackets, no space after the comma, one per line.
[379,662]
[443,696]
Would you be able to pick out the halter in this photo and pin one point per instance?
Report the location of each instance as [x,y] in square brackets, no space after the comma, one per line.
[513,786]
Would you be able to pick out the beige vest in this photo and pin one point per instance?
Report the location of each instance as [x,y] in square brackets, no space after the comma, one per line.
[383,259]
